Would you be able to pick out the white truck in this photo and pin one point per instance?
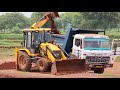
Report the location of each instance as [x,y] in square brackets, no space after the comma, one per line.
[88,45]
[95,49]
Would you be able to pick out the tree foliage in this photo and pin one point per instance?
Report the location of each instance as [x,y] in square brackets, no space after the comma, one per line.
[90,20]
[71,19]
[14,22]
[10,20]
[103,20]
[35,17]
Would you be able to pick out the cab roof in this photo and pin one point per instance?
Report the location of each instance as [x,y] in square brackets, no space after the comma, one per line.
[39,30]
[91,35]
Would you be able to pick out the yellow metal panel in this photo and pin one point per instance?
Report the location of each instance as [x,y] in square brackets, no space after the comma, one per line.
[17,54]
[63,56]
[50,56]
[33,25]
[41,23]
[28,52]
[51,46]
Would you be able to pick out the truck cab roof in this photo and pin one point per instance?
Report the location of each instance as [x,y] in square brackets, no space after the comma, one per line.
[90,36]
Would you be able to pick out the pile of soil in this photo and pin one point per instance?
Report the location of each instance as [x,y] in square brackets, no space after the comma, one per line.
[7,65]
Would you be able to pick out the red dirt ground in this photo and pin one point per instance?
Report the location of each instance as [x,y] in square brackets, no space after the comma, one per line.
[7,70]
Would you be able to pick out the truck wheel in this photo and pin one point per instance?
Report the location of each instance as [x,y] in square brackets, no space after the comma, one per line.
[24,62]
[42,65]
[98,70]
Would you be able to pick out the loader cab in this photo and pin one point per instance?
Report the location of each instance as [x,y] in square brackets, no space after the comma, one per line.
[33,38]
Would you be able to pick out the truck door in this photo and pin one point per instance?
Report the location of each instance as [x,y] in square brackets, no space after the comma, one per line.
[77,47]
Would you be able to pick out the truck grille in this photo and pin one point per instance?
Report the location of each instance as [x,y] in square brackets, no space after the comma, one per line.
[94,59]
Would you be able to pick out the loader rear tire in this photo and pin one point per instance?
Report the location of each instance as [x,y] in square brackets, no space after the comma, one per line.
[42,65]
[24,62]
[99,70]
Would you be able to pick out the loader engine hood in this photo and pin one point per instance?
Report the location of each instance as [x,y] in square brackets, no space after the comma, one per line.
[50,45]
[54,52]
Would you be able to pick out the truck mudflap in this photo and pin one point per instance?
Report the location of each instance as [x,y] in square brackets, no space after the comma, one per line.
[68,66]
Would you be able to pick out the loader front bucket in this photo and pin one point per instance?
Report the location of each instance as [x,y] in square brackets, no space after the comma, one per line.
[68,66]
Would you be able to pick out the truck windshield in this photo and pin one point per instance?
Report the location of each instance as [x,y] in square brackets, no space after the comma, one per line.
[96,44]
[40,37]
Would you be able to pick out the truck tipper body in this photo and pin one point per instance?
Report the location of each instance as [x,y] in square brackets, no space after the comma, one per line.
[88,45]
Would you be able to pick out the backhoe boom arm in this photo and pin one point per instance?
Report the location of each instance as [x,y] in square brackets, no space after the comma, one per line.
[48,16]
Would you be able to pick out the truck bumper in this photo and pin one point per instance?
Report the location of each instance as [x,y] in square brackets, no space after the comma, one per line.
[99,65]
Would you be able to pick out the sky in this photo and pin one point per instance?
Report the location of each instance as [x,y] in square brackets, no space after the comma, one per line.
[27,14]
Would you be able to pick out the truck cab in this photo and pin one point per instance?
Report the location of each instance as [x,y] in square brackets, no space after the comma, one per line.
[94,48]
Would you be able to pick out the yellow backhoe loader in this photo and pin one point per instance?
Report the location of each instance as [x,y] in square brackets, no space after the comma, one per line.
[38,47]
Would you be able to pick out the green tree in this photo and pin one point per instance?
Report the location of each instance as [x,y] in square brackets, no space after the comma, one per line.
[102,20]
[70,19]
[9,20]
[90,20]
[16,30]
[35,17]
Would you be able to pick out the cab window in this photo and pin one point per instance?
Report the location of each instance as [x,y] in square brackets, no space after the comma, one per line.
[29,40]
[77,42]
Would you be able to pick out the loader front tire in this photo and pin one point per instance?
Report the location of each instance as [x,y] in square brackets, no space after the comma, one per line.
[24,62]
[42,65]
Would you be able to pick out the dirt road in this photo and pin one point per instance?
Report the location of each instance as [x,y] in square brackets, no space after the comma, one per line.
[11,72]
